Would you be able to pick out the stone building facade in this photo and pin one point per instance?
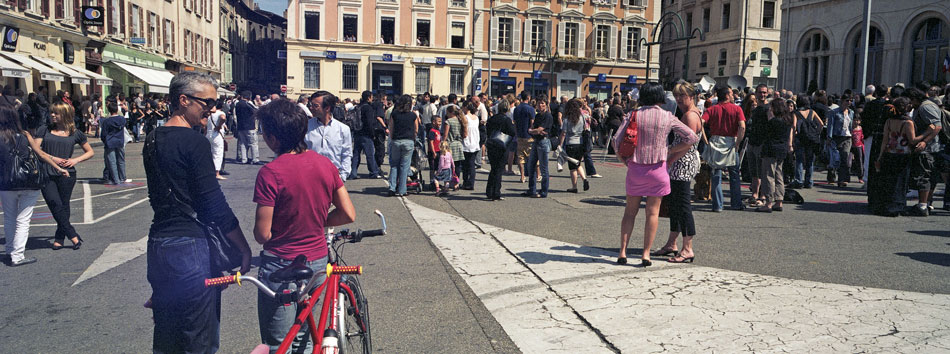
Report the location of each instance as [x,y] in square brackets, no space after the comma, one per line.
[250,41]
[909,42]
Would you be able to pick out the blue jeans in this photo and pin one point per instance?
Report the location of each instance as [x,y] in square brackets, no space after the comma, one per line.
[540,150]
[187,314]
[115,164]
[400,156]
[735,188]
[274,318]
[804,165]
[363,143]
[589,168]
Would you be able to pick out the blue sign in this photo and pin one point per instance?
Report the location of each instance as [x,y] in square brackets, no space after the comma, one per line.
[281,54]
[632,79]
[503,73]
[137,40]
[601,77]
[439,60]
[537,74]
[478,73]
[331,54]
[478,87]
[387,57]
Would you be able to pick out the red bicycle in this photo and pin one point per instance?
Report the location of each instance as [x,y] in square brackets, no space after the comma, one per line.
[344,317]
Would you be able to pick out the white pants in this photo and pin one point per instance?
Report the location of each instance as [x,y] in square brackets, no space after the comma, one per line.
[17,211]
[217,151]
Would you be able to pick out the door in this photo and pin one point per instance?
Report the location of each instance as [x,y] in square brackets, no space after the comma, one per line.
[569,88]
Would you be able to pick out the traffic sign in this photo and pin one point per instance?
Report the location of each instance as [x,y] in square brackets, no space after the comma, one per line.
[283,88]
[232,87]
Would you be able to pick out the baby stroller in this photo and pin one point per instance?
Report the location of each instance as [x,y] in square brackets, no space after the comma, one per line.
[420,162]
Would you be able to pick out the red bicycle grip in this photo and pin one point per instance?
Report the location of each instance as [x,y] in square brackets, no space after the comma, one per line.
[347,270]
[219,281]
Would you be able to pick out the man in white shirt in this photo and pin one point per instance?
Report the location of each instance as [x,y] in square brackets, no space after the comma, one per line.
[327,136]
[302,102]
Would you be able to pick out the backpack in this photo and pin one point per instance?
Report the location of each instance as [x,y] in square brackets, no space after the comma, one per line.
[352,119]
[810,131]
[628,138]
[792,196]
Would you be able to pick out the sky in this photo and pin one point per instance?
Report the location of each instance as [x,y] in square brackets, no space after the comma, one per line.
[275,6]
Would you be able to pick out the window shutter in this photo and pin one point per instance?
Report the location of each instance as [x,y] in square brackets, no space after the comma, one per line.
[59,9]
[21,4]
[44,6]
[131,22]
[612,39]
[148,31]
[173,35]
[560,38]
[493,38]
[640,50]
[516,36]
[121,16]
[582,43]
[547,35]
[77,11]
[623,42]
[528,32]
[142,28]
[164,33]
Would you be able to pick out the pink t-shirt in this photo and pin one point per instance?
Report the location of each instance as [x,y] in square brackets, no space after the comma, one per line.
[300,188]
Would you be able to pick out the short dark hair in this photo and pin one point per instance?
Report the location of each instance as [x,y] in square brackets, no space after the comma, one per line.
[112,106]
[652,93]
[502,106]
[803,100]
[897,91]
[525,96]
[901,106]
[722,92]
[246,94]
[453,97]
[329,100]
[915,94]
[880,91]
[284,120]
[757,87]
[366,95]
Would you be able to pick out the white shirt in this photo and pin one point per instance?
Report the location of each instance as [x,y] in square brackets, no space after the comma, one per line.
[470,143]
[214,135]
[334,141]
[482,113]
[305,109]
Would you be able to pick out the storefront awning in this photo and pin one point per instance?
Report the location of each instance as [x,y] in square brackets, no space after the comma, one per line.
[157,80]
[225,92]
[46,73]
[100,79]
[10,69]
[76,77]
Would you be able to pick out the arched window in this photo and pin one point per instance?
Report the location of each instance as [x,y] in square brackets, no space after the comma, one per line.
[814,53]
[875,58]
[930,47]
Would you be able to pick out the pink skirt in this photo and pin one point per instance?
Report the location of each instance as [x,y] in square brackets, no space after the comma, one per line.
[647,180]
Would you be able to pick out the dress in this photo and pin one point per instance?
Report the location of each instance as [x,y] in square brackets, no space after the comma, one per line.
[454,137]
[217,141]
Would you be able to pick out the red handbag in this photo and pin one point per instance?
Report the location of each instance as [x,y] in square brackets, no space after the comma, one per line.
[628,141]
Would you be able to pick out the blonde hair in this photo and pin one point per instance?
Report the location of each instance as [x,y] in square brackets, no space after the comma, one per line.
[66,114]
[444,147]
[684,88]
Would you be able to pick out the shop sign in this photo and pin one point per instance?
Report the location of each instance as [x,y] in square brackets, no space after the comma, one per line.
[15,73]
[632,79]
[439,60]
[92,16]
[137,40]
[281,54]
[39,46]
[601,77]
[387,57]
[10,37]
[503,73]
[69,55]
[331,54]
[537,74]
[766,71]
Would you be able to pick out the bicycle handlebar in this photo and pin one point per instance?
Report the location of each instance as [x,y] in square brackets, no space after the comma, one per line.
[237,279]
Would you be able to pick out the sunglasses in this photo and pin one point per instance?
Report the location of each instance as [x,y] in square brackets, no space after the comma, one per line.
[205,102]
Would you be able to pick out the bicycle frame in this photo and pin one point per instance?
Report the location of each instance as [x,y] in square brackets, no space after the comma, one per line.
[331,287]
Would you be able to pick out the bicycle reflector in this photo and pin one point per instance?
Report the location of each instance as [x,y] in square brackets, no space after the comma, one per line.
[331,269]
[225,280]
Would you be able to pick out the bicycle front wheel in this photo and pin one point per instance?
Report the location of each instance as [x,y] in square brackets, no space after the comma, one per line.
[355,334]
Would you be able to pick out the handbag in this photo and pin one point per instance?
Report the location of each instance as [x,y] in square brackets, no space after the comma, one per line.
[24,172]
[223,254]
[498,140]
[627,144]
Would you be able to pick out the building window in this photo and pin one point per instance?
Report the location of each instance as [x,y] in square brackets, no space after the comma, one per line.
[312,25]
[458,3]
[505,34]
[422,79]
[875,57]
[350,27]
[723,56]
[633,2]
[766,57]
[457,81]
[351,76]
[703,60]
[136,23]
[689,21]
[706,20]
[422,33]
[458,35]
[768,14]
[930,49]
[815,60]
[152,32]
[726,11]
[602,42]
[311,74]
[632,47]
[115,16]
[166,41]
[424,2]
[571,35]
[540,31]
[387,30]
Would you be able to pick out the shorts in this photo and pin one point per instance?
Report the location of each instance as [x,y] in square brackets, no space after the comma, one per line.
[524,149]
[942,162]
[921,167]
[574,151]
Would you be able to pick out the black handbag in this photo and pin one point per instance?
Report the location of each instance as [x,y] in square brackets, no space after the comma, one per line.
[24,171]
[223,254]
[498,140]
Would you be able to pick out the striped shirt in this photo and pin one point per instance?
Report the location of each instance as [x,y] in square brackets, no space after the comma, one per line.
[654,125]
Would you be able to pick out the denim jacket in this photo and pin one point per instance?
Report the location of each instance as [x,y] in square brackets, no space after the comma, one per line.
[839,122]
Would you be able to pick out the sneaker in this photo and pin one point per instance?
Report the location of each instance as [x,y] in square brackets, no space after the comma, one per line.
[930,208]
[596,175]
[918,211]
[127,180]
[24,261]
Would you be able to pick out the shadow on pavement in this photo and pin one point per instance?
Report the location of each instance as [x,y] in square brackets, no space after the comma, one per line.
[585,255]
[940,233]
[38,242]
[378,191]
[941,259]
[841,208]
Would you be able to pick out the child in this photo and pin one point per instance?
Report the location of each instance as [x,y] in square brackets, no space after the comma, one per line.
[446,169]
[857,149]
[434,138]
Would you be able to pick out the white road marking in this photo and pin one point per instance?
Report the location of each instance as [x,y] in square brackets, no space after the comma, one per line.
[114,255]
[671,307]
[108,215]
[43,205]
[86,202]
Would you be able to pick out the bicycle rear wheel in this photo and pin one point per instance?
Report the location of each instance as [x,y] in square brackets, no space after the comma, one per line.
[355,334]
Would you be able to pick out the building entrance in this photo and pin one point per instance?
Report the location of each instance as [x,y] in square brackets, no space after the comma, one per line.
[387,79]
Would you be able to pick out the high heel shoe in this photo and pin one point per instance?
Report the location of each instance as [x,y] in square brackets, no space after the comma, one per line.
[681,259]
[56,248]
[622,260]
[665,252]
[78,243]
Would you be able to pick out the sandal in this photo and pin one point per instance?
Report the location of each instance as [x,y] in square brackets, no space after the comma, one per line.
[572,190]
[681,259]
[664,252]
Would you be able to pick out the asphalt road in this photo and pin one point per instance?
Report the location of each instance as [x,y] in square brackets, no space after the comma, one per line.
[418,302]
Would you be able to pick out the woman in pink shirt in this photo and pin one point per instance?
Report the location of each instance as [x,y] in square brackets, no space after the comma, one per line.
[293,193]
[647,174]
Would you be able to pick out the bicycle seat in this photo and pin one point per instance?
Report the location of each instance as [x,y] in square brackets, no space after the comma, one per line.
[295,271]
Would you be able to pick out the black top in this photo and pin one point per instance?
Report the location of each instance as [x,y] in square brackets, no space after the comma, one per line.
[757,120]
[6,156]
[615,115]
[822,111]
[184,157]
[368,114]
[543,120]
[776,138]
[245,115]
[136,116]
[873,118]
[60,146]
[30,118]
[403,123]
[500,122]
